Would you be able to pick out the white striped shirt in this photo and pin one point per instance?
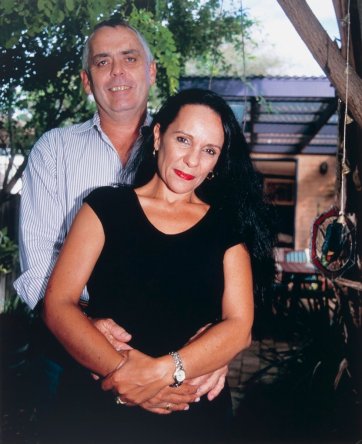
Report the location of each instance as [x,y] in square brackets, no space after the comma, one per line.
[64,166]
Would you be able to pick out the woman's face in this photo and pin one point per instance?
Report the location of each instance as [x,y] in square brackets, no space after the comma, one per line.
[190,147]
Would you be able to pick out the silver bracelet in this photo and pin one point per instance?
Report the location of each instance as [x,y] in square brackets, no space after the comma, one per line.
[179,374]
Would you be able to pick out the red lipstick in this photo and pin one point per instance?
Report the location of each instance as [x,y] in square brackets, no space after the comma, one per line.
[184,175]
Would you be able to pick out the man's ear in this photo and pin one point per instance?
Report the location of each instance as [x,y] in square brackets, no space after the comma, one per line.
[156,137]
[86,82]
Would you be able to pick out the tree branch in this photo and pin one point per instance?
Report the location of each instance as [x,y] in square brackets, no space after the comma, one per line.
[7,187]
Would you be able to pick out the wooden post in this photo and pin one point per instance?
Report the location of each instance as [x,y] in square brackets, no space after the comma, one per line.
[326,53]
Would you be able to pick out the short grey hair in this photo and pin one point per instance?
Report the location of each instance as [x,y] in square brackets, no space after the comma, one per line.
[114,23]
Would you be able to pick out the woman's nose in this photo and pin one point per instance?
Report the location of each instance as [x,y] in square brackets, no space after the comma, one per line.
[192,158]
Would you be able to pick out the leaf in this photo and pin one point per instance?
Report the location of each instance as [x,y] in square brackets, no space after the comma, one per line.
[69,4]
[343,366]
[7,6]
[41,4]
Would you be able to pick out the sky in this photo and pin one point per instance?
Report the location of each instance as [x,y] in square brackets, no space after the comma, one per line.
[277,34]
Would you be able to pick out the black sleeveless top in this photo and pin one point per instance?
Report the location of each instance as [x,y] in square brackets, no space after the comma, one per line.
[161,287]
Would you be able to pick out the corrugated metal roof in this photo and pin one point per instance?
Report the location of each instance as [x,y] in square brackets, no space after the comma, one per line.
[285,115]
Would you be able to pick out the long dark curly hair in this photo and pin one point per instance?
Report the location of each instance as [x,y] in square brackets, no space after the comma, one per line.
[236,187]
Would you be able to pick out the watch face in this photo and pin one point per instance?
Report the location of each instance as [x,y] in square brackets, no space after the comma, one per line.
[179,375]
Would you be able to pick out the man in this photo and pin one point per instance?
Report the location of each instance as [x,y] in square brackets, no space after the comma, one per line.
[67,163]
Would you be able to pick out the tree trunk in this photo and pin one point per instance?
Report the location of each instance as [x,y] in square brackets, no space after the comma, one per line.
[326,53]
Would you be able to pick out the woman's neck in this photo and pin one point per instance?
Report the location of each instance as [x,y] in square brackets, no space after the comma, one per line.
[157,189]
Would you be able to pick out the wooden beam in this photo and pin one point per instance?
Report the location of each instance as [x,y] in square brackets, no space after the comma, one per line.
[349,283]
[326,53]
[316,126]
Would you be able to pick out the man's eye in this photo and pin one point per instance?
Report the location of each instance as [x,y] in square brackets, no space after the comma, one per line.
[131,59]
[101,63]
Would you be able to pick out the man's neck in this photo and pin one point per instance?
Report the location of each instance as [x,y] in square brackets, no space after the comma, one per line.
[123,132]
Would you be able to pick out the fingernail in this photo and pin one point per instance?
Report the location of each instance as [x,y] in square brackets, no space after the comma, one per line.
[187,407]
[197,400]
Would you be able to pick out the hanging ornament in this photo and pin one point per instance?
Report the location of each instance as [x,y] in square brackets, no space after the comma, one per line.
[333,243]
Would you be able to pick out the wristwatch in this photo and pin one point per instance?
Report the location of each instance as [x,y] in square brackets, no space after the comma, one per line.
[179,375]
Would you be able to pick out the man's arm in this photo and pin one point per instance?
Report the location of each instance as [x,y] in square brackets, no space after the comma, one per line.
[42,230]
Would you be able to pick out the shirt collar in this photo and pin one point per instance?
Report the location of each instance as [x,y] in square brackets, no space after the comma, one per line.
[95,121]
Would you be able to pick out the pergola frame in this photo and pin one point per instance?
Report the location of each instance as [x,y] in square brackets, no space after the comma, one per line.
[284,115]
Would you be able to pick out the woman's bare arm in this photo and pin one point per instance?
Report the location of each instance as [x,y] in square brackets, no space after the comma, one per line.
[62,313]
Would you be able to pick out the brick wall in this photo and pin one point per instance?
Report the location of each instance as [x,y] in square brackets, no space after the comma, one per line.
[314,191]
[315,194]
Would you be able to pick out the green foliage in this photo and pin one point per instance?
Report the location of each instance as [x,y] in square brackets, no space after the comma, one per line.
[201,29]
[31,16]
[15,306]
[8,252]
[163,47]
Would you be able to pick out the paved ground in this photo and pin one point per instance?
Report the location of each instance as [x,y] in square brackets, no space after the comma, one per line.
[277,399]
[251,362]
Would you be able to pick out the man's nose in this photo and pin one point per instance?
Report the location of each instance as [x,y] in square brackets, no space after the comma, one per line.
[117,68]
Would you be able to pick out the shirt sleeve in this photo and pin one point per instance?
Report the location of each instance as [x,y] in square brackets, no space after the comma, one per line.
[41,227]
[96,200]
[231,235]
[101,200]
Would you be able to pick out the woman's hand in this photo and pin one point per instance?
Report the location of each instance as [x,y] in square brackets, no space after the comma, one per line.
[141,378]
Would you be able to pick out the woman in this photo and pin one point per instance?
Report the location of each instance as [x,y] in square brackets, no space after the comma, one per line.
[175,252]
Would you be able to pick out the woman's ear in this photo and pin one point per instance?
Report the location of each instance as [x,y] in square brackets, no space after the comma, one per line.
[156,137]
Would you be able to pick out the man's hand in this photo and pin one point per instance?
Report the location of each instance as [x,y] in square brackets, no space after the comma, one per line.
[172,399]
[212,383]
[115,334]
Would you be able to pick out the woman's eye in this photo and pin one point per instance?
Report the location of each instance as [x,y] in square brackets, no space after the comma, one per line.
[181,139]
[210,151]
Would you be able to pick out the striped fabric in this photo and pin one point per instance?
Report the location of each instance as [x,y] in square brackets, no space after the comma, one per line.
[63,167]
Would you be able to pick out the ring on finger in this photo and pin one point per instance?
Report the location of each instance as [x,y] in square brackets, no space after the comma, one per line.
[168,406]
[120,401]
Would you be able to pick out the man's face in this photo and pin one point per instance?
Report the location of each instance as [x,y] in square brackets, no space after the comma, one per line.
[120,76]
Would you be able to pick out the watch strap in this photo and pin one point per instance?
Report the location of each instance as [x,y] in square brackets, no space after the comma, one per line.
[179,369]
